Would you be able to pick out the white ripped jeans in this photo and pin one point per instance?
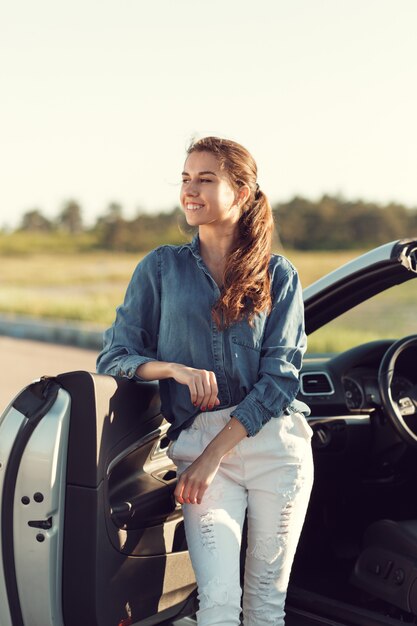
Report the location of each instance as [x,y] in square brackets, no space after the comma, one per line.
[270,476]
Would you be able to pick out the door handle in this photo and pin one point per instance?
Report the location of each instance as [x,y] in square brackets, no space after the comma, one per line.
[161,447]
[166,476]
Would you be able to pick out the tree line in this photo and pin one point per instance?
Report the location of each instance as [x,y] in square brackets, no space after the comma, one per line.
[332,222]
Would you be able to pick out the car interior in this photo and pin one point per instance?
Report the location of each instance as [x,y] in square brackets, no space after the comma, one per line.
[357,557]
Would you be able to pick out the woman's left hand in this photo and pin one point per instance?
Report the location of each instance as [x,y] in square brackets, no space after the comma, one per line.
[194,481]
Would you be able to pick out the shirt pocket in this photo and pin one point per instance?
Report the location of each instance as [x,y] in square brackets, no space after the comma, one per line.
[242,334]
[239,341]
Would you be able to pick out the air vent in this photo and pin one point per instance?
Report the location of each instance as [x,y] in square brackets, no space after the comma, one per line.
[316,384]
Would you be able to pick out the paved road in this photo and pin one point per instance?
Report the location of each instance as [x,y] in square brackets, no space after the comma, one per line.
[22,361]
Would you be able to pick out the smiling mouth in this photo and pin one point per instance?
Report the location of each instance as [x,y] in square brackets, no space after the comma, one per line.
[192,206]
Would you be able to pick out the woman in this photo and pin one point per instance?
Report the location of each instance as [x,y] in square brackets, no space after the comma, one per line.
[219,322]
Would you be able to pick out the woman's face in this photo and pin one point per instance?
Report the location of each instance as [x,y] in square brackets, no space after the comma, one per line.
[207,195]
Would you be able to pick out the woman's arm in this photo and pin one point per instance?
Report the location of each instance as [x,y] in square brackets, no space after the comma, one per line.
[283,346]
[201,383]
[203,390]
[194,481]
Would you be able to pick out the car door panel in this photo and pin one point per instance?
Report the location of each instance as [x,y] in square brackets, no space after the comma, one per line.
[130,573]
[33,435]
[140,491]
[93,516]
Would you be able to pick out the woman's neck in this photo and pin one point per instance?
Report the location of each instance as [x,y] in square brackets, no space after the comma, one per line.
[214,249]
[215,245]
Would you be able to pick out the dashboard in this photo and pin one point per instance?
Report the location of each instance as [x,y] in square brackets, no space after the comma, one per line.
[348,382]
[362,392]
[351,433]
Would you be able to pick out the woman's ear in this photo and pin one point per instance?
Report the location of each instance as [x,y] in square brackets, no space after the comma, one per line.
[242,195]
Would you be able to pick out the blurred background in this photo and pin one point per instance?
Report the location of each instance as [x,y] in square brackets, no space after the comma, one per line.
[101,99]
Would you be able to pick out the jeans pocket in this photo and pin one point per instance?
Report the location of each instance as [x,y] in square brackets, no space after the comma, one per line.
[170,448]
[301,423]
[295,434]
[186,447]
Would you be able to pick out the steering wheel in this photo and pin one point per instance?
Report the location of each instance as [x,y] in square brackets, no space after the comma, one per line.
[407,405]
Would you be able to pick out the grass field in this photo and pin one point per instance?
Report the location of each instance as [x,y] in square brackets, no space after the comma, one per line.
[82,287]
[87,287]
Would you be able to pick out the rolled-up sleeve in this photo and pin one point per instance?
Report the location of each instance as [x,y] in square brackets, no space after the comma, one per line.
[133,338]
[283,346]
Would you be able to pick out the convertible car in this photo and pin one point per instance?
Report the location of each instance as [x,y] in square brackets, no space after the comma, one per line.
[91,534]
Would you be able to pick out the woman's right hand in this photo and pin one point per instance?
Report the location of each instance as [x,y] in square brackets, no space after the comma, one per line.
[201,383]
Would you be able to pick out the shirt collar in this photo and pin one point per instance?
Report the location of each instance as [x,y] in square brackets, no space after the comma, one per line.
[193,246]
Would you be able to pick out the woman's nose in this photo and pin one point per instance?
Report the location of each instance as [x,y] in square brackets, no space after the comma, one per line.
[192,190]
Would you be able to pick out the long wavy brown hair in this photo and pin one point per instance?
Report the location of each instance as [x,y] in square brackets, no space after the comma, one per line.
[246,281]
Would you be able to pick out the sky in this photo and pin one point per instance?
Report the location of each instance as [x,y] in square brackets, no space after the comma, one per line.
[100,98]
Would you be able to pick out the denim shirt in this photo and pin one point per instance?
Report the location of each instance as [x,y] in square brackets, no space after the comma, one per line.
[166,316]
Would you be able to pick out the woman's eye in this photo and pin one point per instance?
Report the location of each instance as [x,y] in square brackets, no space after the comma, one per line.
[202,180]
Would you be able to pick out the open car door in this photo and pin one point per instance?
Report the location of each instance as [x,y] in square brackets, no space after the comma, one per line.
[90,532]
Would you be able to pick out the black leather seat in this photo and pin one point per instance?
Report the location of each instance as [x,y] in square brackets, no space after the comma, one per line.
[387,565]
